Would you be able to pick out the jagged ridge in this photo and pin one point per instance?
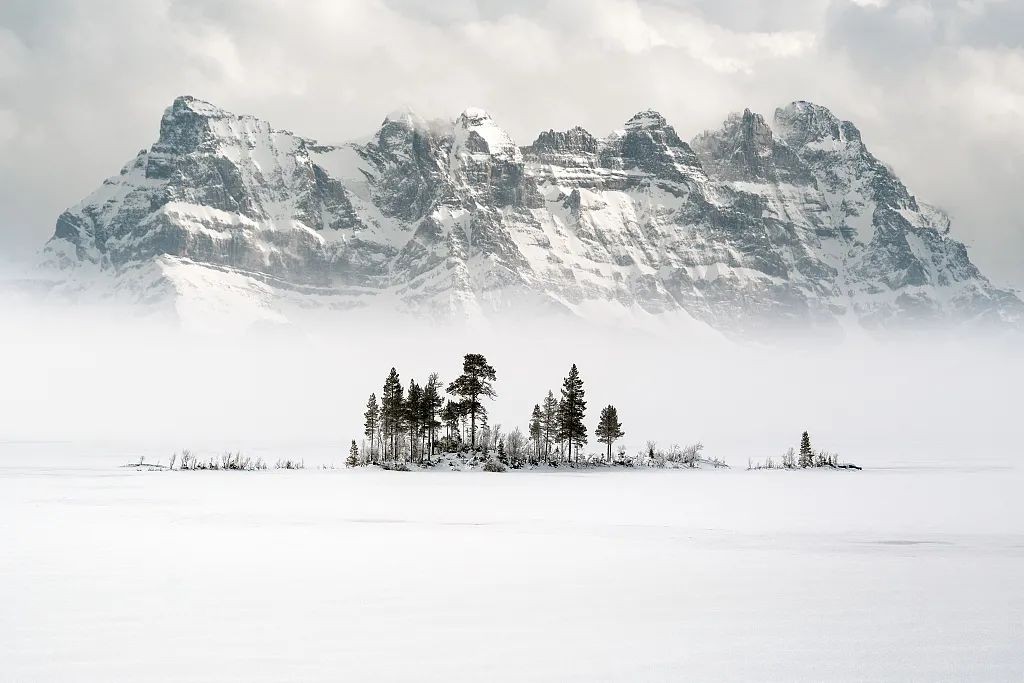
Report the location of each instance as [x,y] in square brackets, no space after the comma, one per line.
[793,222]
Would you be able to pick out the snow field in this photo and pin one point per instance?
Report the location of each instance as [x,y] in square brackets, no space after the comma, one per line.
[109,574]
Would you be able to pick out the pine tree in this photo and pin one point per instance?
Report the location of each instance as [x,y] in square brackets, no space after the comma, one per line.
[391,408]
[353,455]
[536,429]
[371,421]
[549,424]
[473,384]
[432,404]
[450,415]
[413,405]
[806,453]
[571,412]
[608,428]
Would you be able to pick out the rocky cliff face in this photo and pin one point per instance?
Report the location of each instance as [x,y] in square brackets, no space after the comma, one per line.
[791,223]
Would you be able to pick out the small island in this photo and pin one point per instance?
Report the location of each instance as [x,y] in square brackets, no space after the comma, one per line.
[420,428]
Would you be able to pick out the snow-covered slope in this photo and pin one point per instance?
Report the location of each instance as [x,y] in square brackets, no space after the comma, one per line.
[793,224]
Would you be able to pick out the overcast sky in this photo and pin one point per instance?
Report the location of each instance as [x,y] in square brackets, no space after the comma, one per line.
[936,86]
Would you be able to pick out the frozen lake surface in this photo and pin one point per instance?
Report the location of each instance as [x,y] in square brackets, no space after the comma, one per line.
[109,574]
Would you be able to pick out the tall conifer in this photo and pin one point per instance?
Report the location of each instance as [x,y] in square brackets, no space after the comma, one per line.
[609,428]
[475,383]
[392,400]
[806,452]
[450,414]
[549,424]
[536,428]
[431,410]
[413,416]
[572,410]
[371,421]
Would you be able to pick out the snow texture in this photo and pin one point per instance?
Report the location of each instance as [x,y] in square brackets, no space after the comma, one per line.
[791,224]
[111,574]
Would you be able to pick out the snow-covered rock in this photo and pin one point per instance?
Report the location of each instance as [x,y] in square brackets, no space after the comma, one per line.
[792,223]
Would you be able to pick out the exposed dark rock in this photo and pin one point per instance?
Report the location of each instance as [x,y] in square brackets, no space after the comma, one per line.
[794,223]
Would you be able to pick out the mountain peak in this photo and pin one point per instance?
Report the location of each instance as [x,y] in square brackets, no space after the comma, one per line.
[752,118]
[746,123]
[807,115]
[805,106]
[575,140]
[189,104]
[187,123]
[745,149]
[406,117]
[474,116]
[652,145]
[646,119]
[477,133]
[802,122]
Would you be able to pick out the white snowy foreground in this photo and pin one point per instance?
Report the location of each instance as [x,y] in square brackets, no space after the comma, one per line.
[108,574]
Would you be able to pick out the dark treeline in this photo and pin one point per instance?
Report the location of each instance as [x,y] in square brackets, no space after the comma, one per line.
[415,424]
[418,422]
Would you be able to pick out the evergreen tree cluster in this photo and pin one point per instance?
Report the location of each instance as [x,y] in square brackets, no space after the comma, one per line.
[808,457]
[416,422]
[404,424]
[557,429]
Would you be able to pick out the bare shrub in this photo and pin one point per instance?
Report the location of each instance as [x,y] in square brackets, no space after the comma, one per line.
[290,464]
[188,461]
[827,459]
[690,455]
[515,447]
[789,459]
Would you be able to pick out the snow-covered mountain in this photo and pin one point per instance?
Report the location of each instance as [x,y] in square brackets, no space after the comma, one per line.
[791,223]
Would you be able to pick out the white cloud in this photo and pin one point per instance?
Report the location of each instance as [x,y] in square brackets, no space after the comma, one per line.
[8,126]
[11,55]
[935,87]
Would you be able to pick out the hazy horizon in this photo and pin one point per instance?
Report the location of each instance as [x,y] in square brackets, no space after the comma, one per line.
[81,374]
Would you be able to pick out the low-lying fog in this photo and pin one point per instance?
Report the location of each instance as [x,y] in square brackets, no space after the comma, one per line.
[80,374]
